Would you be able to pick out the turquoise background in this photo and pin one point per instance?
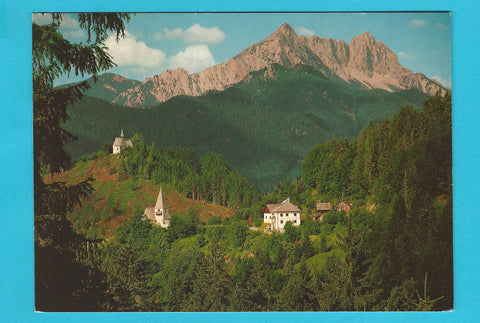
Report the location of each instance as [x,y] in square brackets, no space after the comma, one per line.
[16,156]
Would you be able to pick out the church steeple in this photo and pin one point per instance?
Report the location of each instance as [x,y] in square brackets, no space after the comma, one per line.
[161,211]
[161,204]
[121,142]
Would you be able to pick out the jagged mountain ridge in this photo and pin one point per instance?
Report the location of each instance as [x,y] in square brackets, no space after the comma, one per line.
[365,62]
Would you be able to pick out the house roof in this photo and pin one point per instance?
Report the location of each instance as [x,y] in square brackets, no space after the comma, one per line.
[272,207]
[324,206]
[285,206]
[150,213]
[119,141]
[343,206]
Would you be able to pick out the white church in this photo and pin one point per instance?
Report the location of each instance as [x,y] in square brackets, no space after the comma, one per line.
[159,213]
[121,142]
[279,214]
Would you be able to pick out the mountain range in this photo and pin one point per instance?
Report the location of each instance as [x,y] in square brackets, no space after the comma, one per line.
[262,110]
[365,63]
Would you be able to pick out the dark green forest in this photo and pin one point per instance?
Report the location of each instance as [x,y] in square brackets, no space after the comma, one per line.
[263,127]
[392,252]
[210,179]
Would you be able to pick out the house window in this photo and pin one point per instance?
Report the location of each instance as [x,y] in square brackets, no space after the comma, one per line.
[295,221]
[281,214]
[281,221]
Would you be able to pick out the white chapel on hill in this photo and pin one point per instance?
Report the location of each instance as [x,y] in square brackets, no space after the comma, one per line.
[121,142]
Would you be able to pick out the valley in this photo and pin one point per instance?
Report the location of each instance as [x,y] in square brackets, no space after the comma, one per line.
[302,174]
[263,127]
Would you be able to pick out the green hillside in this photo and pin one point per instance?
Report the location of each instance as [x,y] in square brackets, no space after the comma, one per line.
[263,127]
[116,199]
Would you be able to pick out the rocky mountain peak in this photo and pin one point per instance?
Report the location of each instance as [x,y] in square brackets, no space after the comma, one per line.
[365,62]
[284,33]
[364,37]
[373,58]
[286,30]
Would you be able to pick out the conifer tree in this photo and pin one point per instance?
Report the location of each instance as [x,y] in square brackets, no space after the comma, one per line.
[57,275]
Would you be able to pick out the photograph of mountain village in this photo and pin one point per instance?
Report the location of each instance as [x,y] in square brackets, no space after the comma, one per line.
[242,162]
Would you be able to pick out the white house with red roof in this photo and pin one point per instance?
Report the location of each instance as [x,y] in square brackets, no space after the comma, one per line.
[279,214]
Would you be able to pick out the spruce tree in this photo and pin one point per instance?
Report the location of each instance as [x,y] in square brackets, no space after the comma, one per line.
[59,279]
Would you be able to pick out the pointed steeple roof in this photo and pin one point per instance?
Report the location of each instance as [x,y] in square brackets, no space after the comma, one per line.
[161,203]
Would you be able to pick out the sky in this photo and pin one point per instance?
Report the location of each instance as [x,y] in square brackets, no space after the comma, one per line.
[194,41]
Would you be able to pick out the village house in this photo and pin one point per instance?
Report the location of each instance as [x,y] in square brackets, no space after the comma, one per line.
[279,214]
[121,142]
[159,213]
[322,208]
[343,206]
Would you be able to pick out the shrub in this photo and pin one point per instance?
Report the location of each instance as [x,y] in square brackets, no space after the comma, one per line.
[330,218]
[214,220]
[257,222]
[292,234]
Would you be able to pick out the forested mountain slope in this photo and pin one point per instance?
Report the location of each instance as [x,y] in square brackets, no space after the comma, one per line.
[263,127]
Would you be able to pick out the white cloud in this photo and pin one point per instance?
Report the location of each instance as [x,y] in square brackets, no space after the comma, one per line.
[304,31]
[79,33]
[209,35]
[440,26]
[42,19]
[69,23]
[447,83]
[417,22]
[404,55]
[129,52]
[194,59]
[70,28]
[194,34]
[170,34]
